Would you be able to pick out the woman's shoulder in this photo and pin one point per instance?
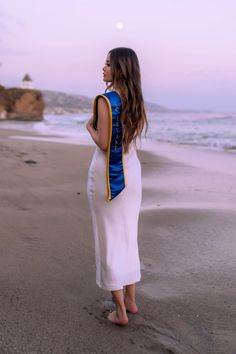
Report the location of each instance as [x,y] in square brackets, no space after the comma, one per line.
[113,97]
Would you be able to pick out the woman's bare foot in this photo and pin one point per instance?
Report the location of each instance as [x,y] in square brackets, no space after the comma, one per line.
[118,318]
[130,305]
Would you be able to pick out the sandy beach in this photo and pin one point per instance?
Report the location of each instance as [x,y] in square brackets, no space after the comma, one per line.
[49,302]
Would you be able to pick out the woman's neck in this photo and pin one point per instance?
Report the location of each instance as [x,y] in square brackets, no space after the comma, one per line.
[117,89]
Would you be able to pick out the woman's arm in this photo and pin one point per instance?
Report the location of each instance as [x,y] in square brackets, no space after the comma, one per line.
[101,135]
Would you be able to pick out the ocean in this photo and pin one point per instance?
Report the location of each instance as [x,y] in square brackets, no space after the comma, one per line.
[215,131]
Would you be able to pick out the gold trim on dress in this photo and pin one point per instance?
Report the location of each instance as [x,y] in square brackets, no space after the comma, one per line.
[109,140]
[123,166]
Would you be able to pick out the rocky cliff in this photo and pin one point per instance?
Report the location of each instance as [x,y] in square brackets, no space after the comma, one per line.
[21,104]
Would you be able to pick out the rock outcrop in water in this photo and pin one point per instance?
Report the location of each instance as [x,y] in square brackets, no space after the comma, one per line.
[21,104]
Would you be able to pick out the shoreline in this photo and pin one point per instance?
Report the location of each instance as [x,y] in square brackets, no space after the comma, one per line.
[66,136]
[197,156]
[49,299]
[213,131]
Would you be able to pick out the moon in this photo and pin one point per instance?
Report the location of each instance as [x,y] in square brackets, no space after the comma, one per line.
[119,25]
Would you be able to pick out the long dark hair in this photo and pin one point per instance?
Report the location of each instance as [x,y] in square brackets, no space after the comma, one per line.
[126,79]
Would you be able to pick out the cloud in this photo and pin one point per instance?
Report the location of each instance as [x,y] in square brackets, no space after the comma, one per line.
[13,20]
[7,24]
[215,77]
[204,73]
[3,28]
[13,52]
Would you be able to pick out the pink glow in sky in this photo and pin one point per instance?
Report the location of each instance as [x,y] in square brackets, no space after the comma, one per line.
[187,48]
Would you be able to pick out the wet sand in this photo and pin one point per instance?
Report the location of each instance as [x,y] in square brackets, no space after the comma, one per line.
[49,302]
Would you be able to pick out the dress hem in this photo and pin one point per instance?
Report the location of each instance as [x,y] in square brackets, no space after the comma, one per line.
[117,287]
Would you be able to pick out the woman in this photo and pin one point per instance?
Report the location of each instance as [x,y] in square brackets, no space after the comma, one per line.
[114,180]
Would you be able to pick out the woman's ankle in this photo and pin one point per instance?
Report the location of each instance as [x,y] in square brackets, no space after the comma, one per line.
[129,298]
[130,304]
[121,309]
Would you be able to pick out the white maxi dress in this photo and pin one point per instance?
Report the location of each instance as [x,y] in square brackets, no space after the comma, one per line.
[115,223]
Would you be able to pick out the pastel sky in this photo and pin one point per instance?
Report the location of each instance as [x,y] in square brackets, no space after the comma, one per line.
[186,48]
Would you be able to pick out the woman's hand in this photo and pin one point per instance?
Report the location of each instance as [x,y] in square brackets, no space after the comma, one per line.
[89,123]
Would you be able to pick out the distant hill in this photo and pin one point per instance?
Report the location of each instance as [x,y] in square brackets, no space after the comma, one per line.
[154,107]
[62,103]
